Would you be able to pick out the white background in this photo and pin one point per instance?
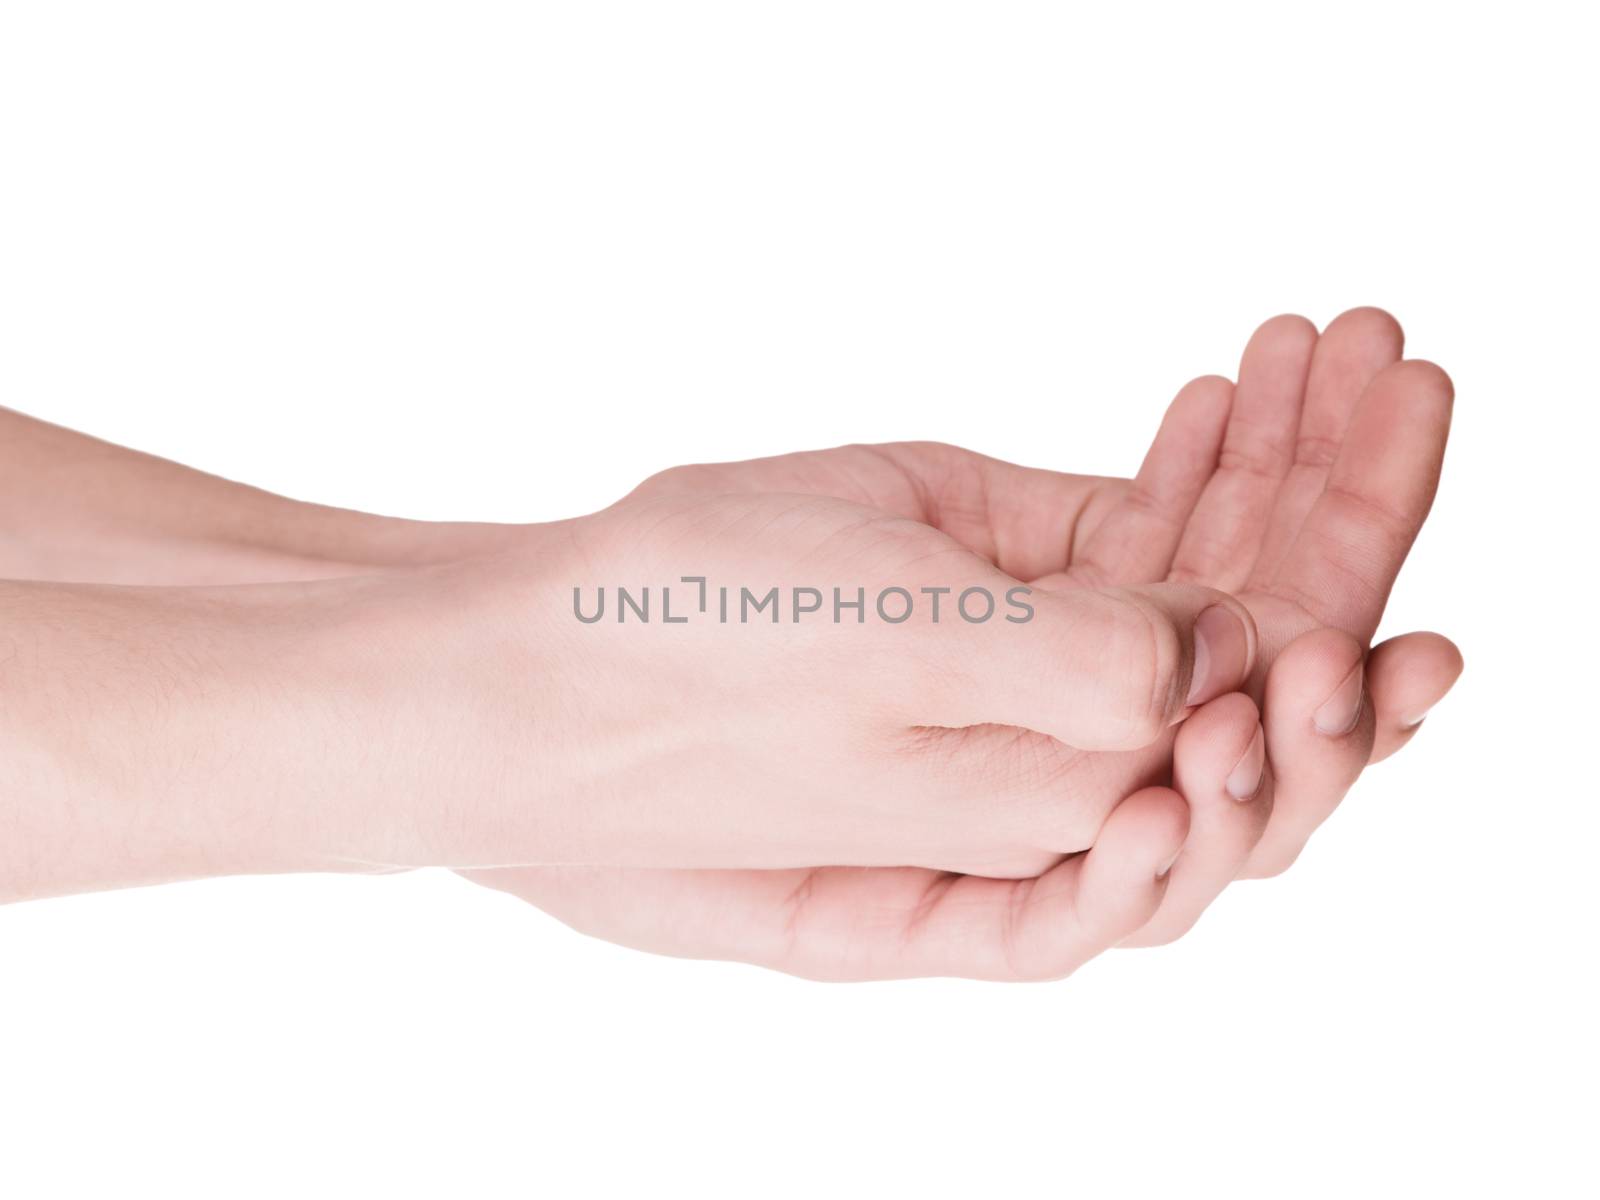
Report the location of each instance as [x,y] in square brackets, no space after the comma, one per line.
[502,261]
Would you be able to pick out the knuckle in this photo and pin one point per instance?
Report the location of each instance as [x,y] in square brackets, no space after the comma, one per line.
[672,479]
[1145,655]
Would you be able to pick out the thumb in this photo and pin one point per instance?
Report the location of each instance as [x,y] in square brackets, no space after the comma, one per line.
[1099,669]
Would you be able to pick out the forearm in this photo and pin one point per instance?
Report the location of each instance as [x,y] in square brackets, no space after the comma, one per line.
[74,508]
[156,734]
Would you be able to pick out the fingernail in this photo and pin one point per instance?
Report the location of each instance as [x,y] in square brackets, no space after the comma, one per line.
[1339,713]
[1413,722]
[1167,870]
[1221,647]
[1245,780]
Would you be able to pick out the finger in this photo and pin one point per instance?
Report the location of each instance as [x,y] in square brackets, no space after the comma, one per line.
[1355,538]
[1406,677]
[1136,540]
[1022,519]
[1218,766]
[1224,535]
[897,924]
[1091,902]
[879,922]
[1035,799]
[1097,669]
[1319,729]
[1352,350]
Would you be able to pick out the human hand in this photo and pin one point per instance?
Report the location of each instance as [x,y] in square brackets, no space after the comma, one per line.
[1302,489]
[463,714]
[1009,532]
[1211,513]
[822,692]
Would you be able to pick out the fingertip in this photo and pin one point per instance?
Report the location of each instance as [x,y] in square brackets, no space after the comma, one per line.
[1407,676]
[1219,766]
[1206,394]
[1197,417]
[1225,643]
[1280,344]
[1109,892]
[1220,752]
[1418,377]
[1287,326]
[1155,651]
[1318,685]
[1222,725]
[1426,660]
[1441,657]
[1449,653]
[1371,324]
[1146,832]
[1132,854]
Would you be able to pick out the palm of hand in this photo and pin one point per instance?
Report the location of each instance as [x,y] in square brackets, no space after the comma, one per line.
[1300,490]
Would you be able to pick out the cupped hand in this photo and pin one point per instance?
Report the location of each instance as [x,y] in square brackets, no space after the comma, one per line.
[1305,484]
[1301,488]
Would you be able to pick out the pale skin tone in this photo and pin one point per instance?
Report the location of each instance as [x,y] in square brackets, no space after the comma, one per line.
[988,801]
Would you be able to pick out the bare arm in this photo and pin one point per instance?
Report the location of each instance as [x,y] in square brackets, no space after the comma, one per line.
[75,508]
[155,734]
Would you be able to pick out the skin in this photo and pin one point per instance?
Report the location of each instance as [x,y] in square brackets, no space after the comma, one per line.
[459,715]
[1326,451]
[1305,484]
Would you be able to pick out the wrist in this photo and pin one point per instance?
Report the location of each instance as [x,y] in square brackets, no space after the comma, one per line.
[144,736]
[424,709]
[390,720]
